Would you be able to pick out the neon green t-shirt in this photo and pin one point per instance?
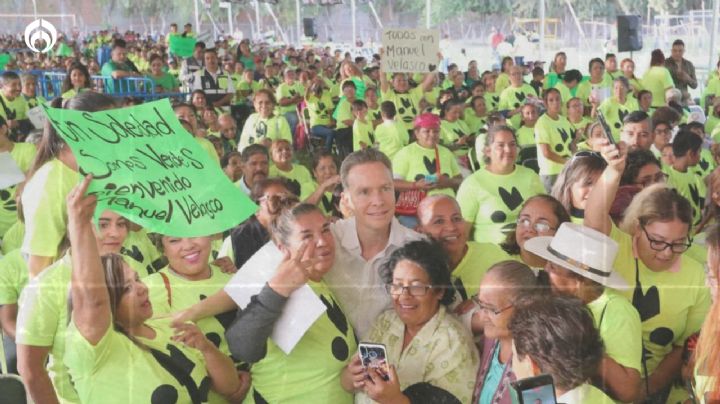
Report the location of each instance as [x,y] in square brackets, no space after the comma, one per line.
[492,101]
[320,109]
[45,208]
[116,367]
[620,328]
[17,107]
[43,320]
[451,132]
[706,165]
[285,90]
[691,186]
[23,155]
[406,104]
[514,97]
[342,113]
[166,81]
[657,80]
[585,89]
[614,113]
[580,125]
[414,162]
[256,129]
[141,254]
[474,122]
[209,149]
[363,132]
[391,136]
[13,237]
[672,305]
[13,277]
[466,276]
[311,372]
[298,176]
[502,82]
[711,123]
[558,134]
[185,293]
[525,136]
[492,202]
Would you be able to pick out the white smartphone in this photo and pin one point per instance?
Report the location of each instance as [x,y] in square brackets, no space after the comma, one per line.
[374,356]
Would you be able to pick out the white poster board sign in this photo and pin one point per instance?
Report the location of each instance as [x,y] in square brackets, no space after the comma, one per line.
[10,173]
[302,309]
[410,50]
[37,117]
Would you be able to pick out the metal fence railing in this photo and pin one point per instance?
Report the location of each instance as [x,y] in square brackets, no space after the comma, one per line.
[49,85]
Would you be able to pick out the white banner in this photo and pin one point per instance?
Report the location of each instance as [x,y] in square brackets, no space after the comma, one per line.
[410,50]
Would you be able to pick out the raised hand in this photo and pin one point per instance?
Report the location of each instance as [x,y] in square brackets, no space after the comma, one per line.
[292,273]
[81,207]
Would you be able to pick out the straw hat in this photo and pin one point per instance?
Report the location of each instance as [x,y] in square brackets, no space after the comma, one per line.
[583,250]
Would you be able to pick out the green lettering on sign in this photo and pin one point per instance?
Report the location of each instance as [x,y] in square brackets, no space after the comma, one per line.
[147,168]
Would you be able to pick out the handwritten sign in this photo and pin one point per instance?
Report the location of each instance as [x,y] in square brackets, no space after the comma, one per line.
[182,46]
[147,168]
[410,50]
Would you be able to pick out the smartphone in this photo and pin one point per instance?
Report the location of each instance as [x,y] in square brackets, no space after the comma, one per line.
[606,128]
[533,390]
[374,356]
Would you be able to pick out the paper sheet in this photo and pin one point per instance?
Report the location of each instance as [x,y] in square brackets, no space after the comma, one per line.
[37,117]
[10,173]
[302,309]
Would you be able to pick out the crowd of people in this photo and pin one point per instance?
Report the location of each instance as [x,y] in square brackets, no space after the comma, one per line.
[484,227]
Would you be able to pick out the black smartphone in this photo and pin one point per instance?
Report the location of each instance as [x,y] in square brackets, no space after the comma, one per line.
[534,390]
[606,128]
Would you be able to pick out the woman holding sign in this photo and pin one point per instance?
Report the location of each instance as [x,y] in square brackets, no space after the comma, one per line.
[303,251]
[51,177]
[114,349]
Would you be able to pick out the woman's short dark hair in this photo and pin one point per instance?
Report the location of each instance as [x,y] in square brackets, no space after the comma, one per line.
[510,245]
[558,333]
[225,159]
[636,160]
[428,255]
[317,157]
[657,58]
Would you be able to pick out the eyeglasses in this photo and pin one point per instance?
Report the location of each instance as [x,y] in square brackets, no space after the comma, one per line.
[659,245]
[541,226]
[491,310]
[657,178]
[414,290]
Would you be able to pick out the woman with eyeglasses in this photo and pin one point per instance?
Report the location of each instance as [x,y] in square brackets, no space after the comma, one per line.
[262,126]
[541,215]
[503,284]
[491,197]
[271,195]
[431,354]
[667,287]
[575,182]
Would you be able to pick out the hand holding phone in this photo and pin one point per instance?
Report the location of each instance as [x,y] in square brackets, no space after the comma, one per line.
[374,356]
[534,390]
[606,128]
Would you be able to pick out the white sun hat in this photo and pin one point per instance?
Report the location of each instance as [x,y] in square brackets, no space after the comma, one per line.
[583,250]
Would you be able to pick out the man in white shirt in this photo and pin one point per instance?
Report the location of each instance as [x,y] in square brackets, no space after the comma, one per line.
[367,239]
